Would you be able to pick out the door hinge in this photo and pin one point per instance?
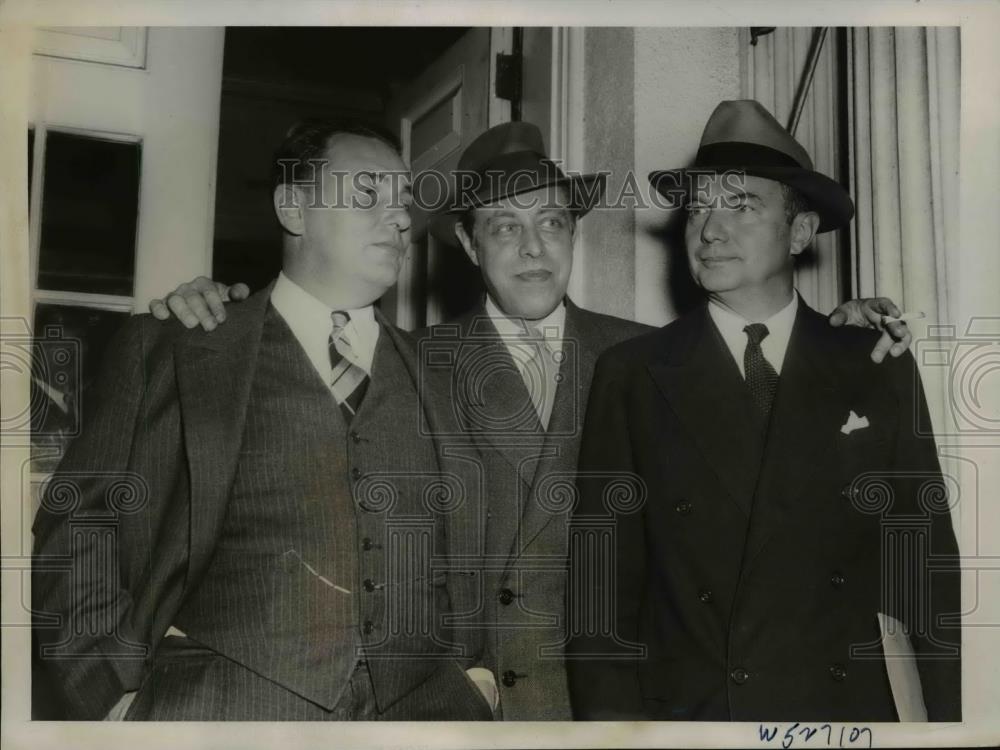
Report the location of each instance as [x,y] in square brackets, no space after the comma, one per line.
[508,82]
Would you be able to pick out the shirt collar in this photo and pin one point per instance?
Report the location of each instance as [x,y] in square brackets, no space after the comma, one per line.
[779,327]
[552,326]
[309,320]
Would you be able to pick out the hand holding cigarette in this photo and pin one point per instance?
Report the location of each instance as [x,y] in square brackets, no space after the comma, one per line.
[902,318]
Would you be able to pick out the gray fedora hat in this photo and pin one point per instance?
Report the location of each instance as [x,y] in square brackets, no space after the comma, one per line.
[507,160]
[742,136]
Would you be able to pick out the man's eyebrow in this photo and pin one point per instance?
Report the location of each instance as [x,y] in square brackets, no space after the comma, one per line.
[391,173]
[740,194]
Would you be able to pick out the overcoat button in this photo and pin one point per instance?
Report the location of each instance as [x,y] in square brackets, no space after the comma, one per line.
[739,675]
[509,678]
[506,596]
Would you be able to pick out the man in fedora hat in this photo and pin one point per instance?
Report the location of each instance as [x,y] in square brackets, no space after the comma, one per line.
[522,362]
[789,528]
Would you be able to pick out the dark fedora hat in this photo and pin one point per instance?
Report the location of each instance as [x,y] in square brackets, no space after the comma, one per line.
[507,160]
[742,136]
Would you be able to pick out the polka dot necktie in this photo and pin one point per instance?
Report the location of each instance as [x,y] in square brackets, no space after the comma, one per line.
[349,382]
[761,378]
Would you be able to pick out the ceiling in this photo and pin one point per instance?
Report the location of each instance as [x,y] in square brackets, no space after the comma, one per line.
[376,59]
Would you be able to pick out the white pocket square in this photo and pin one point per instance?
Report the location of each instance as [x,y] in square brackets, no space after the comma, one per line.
[854,422]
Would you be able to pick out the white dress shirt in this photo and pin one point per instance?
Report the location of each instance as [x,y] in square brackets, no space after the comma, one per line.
[310,322]
[511,330]
[779,330]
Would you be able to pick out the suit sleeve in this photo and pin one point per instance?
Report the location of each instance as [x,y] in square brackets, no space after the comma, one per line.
[91,646]
[924,494]
[607,580]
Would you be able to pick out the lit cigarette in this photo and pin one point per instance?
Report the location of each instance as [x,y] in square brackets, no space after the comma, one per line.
[902,318]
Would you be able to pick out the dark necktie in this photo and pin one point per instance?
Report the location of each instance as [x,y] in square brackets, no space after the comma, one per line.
[349,382]
[761,378]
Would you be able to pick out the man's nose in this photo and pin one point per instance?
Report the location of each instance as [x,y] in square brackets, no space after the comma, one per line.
[713,230]
[398,215]
[531,246]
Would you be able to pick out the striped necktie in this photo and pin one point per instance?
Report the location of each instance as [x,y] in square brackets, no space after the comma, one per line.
[761,377]
[541,374]
[349,382]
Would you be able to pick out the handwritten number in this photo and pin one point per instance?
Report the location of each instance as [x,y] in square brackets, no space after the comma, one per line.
[856,735]
[789,736]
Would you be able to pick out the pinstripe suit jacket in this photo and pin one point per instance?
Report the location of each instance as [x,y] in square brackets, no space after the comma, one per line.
[530,472]
[134,512]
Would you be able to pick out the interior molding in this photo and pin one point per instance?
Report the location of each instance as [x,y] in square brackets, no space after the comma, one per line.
[566,134]
[124,46]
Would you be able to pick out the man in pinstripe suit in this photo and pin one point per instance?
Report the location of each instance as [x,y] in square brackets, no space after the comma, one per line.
[519,230]
[281,549]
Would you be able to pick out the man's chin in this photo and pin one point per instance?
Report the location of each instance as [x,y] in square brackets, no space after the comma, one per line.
[715,283]
[534,310]
[386,273]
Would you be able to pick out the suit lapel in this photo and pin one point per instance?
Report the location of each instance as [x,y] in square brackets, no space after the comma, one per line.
[493,401]
[702,383]
[808,410]
[562,440]
[214,374]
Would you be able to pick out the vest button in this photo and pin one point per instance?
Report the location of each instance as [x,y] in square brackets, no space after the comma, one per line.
[509,678]
[506,596]
[683,507]
[368,628]
[739,675]
[356,473]
[369,585]
[367,544]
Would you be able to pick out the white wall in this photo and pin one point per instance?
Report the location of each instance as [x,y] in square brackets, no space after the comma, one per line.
[681,74]
[173,105]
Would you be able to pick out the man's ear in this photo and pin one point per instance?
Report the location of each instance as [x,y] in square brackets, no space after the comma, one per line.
[466,240]
[803,231]
[288,203]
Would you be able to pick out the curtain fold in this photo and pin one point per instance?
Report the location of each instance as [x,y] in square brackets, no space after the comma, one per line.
[775,68]
[904,115]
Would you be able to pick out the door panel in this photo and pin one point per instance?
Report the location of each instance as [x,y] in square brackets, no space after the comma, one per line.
[437,116]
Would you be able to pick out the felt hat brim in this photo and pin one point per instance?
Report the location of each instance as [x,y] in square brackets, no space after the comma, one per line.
[584,192]
[825,196]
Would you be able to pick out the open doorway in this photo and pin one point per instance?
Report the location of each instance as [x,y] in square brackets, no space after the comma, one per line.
[431,86]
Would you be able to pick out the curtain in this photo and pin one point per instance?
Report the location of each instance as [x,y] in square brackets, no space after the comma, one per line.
[776,65]
[903,116]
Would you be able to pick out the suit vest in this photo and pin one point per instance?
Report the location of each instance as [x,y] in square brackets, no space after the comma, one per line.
[325,555]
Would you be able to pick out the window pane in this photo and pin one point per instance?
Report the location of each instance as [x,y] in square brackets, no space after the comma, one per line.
[90,202]
[69,344]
